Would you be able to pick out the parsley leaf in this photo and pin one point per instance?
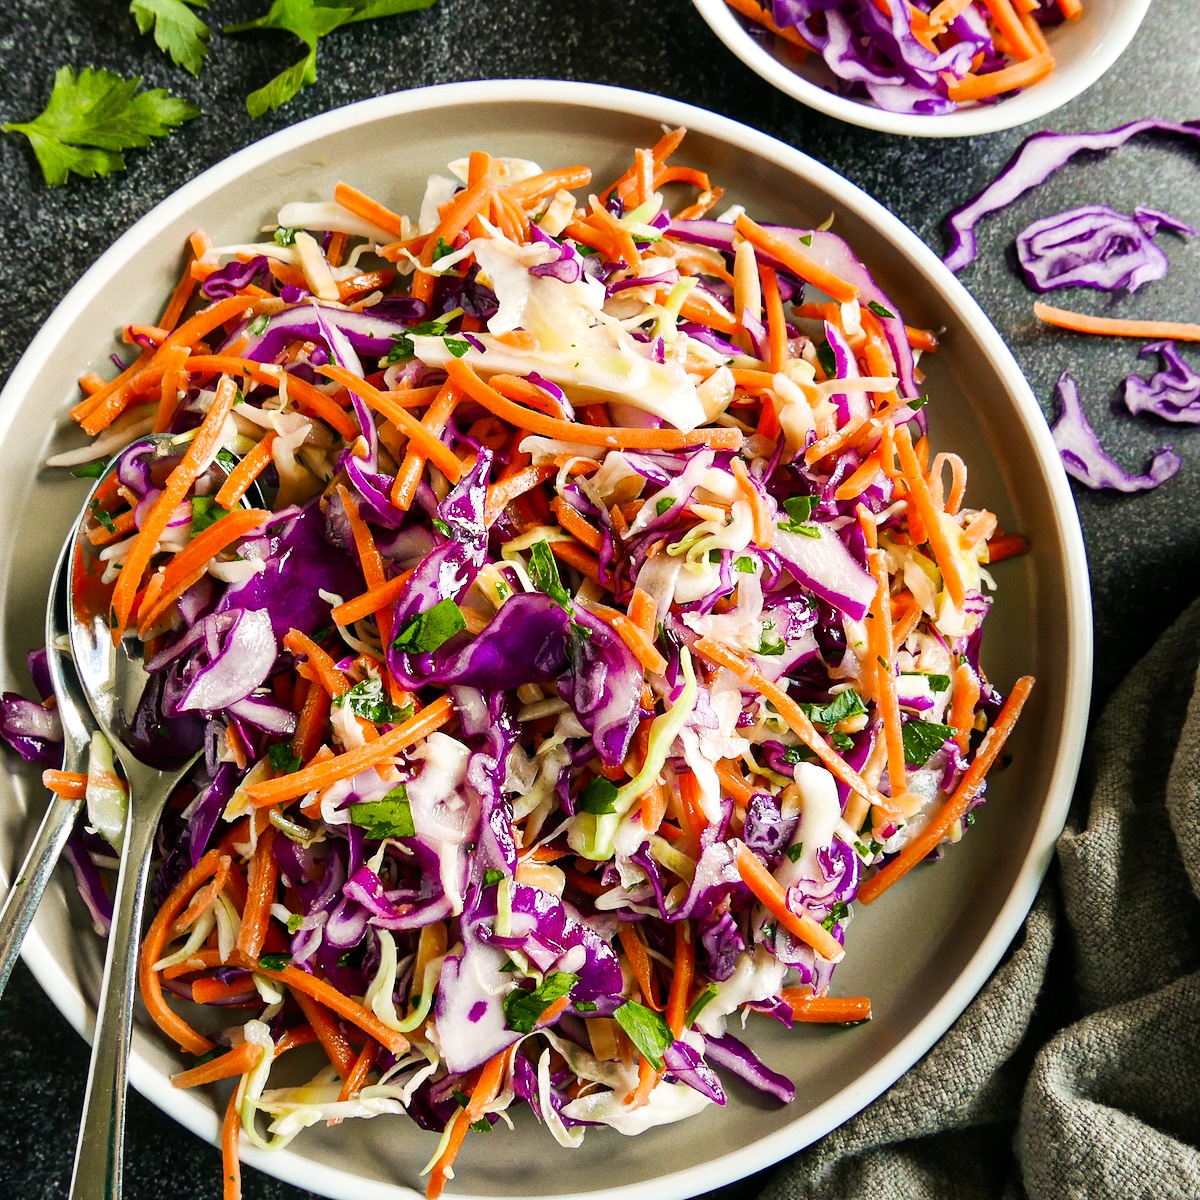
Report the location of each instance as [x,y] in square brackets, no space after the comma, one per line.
[800,510]
[205,512]
[523,1007]
[283,761]
[698,1005]
[294,922]
[458,347]
[597,798]
[390,817]
[844,705]
[664,505]
[922,740]
[91,117]
[771,643]
[425,632]
[178,32]
[103,516]
[274,962]
[937,683]
[285,235]
[92,470]
[839,911]
[794,851]
[745,564]
[828,360]
[880,311]
[491,877]
[310,20]
[368,699]
[646,1029]
[442,248]
[543,570]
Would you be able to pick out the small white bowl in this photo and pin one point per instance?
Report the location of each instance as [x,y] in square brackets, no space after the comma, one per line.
[1084,50]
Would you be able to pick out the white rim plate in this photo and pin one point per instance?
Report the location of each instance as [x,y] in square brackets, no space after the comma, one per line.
[971,905]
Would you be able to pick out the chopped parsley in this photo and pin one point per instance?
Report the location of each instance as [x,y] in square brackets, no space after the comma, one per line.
[543,570]
[273,962]
[664,505]
[598,797]
[709,994]
[800,510]
[428,630]
[922,740]
[285,235]
[491,877]
[390,817]
[206,512]
[523,1007]
[442,248]
[89,471]
[794,851]
[294,922]
[880,311]
[828,360]
[646,1030]
[838,912]
[771,643]
[368,699]
[843,706]
[745,564]
[102,516]
[283,761]
[458,347]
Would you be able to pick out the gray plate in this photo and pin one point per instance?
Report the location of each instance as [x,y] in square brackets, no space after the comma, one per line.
[927,946]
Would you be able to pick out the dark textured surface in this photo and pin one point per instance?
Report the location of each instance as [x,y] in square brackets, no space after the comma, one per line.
[1144,550]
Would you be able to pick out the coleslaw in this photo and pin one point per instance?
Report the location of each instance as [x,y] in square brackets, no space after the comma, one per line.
[582,626]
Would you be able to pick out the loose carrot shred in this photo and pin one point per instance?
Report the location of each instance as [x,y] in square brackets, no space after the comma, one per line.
[343,766]
[333,1041]
[465,377]
[577,525]
[330,678]
[351,199]
[70,785]
[826,1010]
[760,16]
[1006,545]
[1115,326]
[252,465]
[574,555]
[956,806]
[679,997]
[787,251]
[264,875]
[371,601]
[638,958]
[771,895]
[1009,25]
[1007,79]
[648,655]
[236,1062]
[500,495]
[231,1166]
[404,489]
[532,191]
[962,707]
[882,653]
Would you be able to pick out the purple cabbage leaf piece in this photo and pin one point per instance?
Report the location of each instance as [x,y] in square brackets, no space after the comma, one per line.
[1172,393]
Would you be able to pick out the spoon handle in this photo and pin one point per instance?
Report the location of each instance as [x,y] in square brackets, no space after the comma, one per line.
[99,1150]
[27,888]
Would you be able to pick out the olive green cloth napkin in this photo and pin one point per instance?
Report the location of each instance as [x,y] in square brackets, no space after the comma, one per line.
[1075,1073]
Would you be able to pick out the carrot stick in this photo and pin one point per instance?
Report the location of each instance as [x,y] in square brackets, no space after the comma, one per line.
[329,677]
[1007,79]
[639,963]
[1071,9]
[464,376]
[371,601]
[343,766]
[1006,545]
[787,251]
[577,525]
[828,1010]
[883,653]
[152,950]
[174,379]
[576,556]
[192,561]
[500,495]
[404,489]
[333,1041]
[203,899]
[681,979]
[361,205]
[208,990]
[311,724]
[331,998]
[921,339]
[864,475]
[773,898]
[182,293]
[642,646]
[962,707]
[797,720]
[231,1166]
[1115,326]
[236,1062]
[954,808]
[70,785]
[919,497]
[764,525]
[246,472]
[264,875]
[436,451]
[648,1079]
[1009,25]
[199,453]
[530,192]
[733,781]
[359,1073]
[945,12]
[760,16]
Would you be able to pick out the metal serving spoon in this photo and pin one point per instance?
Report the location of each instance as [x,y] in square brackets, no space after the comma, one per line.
[115,680]
[77,725]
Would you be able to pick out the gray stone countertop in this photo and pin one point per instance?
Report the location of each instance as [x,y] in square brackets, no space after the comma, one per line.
[1144,550]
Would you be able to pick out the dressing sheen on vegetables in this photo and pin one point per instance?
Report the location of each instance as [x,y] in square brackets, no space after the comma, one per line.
[585,624]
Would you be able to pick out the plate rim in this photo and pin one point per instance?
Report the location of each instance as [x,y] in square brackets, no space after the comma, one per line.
[866,1087]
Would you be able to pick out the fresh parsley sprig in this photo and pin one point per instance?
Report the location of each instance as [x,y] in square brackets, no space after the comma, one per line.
[178,31]
[92,117]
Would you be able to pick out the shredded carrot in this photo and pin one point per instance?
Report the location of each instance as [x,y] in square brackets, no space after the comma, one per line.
[435,450]
[199,453]
[333,1041]
[641,644]
[311,724]
[956,806]
[733,782]
[574,555]
[773,898]
[190,564]
[465,377]
[962,707]
[760,16]
[152,950]
[369,558]
[638,958]
[1007,79]
[577,525]
[174,380]
[826,1010]
[500,495]
[404,489]
[1010,27]
[1071,9]
[786,250]
[203,899]
[344,766]
[882,652]
[359,1073]
[70,785]
[328,675]
[795,717]
[532,191]
[231,1166]
[948,560]
[679,997]
[361,205]
[864,475]
[1006,545]
[764,523]
[371,601]
[252,465]
[264,875]
[1115,326]
[236,1062]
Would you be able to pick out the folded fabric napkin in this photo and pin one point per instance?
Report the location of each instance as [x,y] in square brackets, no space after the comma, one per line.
[1075,1073]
